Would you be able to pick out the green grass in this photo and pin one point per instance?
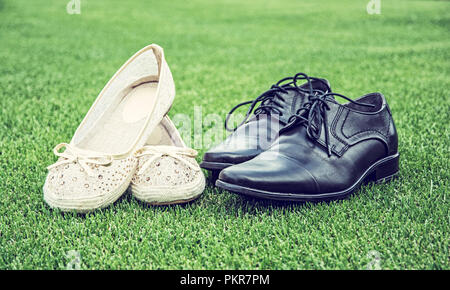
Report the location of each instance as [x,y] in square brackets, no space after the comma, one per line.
[52,66]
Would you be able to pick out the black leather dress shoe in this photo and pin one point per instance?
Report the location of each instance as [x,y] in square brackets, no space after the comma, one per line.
[254,136]
[326,151]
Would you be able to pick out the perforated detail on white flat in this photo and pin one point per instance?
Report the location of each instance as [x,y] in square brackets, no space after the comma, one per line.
[70,181]
[166,171]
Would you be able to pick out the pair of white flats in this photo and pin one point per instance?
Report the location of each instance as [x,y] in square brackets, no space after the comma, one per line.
[127,138]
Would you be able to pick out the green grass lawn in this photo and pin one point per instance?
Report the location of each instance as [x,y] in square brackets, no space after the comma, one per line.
[53,65]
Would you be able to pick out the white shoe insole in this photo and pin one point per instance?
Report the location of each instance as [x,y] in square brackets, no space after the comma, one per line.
[119,127]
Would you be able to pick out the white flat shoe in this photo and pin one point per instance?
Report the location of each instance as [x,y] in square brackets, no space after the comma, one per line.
[96,167]
[167,171]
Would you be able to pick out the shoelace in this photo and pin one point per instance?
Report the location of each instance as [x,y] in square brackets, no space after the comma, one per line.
[313,114]
[271,100]
[175,152]
[72,154]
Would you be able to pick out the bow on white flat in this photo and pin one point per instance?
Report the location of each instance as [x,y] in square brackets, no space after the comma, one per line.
[177,153]
[72,154]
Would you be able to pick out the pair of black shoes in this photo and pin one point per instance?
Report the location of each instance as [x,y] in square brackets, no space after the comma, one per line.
[302,145]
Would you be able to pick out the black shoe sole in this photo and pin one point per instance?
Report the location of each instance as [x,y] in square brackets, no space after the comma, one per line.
[213,166]
[383,170]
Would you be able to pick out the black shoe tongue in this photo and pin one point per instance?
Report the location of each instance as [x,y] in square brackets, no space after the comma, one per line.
[293,100]
[320,84]
[286,103]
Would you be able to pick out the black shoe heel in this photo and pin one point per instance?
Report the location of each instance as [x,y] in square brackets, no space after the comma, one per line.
[212,177]
[386,171]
